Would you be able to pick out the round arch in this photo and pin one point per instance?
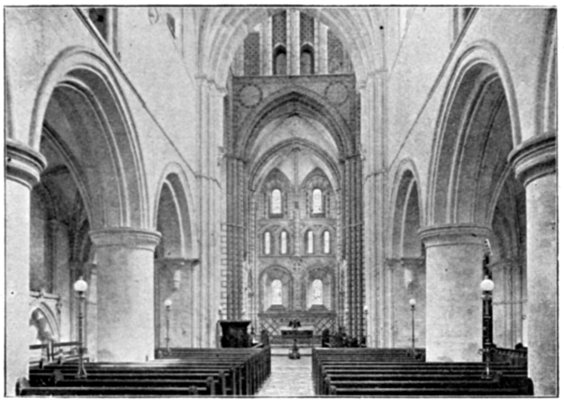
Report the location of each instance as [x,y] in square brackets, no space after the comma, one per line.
[266,277]
[325,274]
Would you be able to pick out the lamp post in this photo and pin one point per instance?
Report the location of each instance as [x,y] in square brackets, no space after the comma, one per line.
[487,287]
[168,305]
[412,303]
[80,287]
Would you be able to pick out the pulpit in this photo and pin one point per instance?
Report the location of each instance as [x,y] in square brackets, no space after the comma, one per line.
[234,334]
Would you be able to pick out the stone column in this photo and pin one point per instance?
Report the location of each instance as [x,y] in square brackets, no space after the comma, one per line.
[125,260]
[454,303]
[23,166]
[535,166]
[388,333]
[266,47]
[502,301]
[321,60]
[61,275]
[374,188]
[294,42]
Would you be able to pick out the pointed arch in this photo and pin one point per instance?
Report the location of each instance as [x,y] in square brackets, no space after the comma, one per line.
[407,212]
[290,101]
[81,88]
[479,100]
[174,191]
[269,158]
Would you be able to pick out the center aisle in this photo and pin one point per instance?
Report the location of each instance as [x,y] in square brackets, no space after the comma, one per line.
[288,378]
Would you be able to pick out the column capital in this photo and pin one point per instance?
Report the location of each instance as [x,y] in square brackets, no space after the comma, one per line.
[23,164]
[534,158]
[126,237]
[453,234]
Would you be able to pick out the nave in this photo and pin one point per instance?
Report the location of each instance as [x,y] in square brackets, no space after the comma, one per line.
[202,178]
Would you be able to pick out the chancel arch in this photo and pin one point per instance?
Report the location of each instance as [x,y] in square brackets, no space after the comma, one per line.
[293,140]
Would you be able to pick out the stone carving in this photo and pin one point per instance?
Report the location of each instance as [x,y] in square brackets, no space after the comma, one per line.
[250,95]
[337,93]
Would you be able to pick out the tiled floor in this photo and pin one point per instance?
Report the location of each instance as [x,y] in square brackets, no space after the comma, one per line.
[288,378]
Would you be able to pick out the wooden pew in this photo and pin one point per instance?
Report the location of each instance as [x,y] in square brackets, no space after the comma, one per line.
[198,372]
[346,373]
[253,372]
[222,373]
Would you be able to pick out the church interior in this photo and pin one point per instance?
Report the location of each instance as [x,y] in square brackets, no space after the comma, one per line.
[377,178]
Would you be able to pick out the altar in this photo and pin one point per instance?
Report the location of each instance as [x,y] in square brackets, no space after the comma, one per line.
[303,334]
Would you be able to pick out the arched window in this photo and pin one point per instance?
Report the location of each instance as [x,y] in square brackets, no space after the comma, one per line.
[326,242]
[276,202]
[317,202]
[317,293]
[276,292]
[279,65]
[267,243]
[284,242]
[309,242]
[306,61]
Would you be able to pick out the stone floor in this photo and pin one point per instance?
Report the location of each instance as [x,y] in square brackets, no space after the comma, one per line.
[288,378]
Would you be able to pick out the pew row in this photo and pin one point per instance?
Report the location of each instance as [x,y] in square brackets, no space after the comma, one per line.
[200,372]
[341,372]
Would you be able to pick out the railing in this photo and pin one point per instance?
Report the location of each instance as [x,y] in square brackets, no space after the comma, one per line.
[516,357]
[54,351]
